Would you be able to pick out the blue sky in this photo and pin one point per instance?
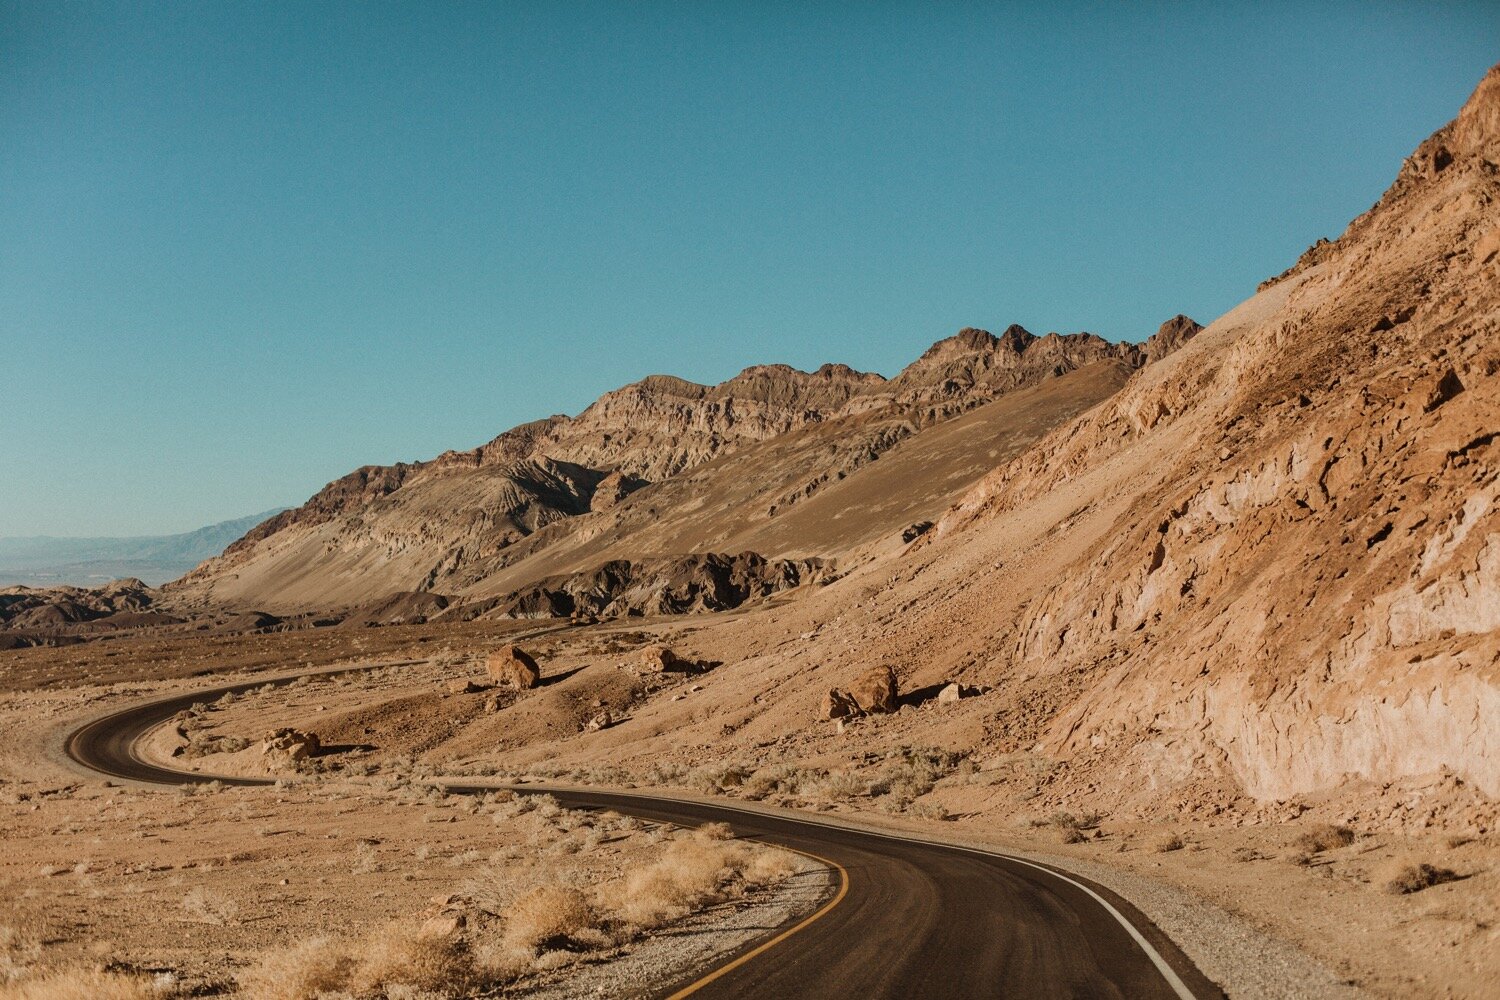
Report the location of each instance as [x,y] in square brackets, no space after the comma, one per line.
[245,248]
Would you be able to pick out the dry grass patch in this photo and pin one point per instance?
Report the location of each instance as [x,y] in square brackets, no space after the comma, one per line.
[548,917]
[1325,837]
[394,958]
[1416,877]
[692,873]
[1171,842]
[86,984]
[304,970]
[509,932]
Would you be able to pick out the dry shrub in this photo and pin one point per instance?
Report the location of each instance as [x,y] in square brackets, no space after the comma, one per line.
[1068,821]
[393,957]
[298,973]
[549,915]
[1171,842]
[20,948]
[210,907]
[716,831]
[840,785]
[398,955]
[84,984]
[692,873]
[928,810]
[1073,835]
[1416,877]
[1325,837]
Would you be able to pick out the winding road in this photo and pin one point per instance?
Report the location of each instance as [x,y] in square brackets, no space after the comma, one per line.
[910,918]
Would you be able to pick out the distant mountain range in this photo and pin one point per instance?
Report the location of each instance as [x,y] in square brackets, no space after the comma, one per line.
[43,561]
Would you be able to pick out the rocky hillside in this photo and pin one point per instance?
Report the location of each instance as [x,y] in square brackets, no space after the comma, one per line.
[1270,565]
[473,524]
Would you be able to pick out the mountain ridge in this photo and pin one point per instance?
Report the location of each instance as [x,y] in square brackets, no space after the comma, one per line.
[546,471]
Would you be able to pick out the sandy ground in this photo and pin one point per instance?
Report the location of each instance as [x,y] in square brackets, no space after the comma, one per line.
[1259,911]
[195,885]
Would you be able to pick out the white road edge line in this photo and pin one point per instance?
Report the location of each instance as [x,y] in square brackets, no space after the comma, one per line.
[1167,972]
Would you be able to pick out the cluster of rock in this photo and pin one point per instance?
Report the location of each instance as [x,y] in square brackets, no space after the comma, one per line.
[286,748]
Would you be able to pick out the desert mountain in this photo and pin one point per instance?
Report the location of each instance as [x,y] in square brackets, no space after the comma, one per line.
[664,469]
[1268,567]
[46,561]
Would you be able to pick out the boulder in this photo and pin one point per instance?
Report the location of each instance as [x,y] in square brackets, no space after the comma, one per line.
[602,720]
[660,660]
[463,686]
[289,746]
[839,705]
[875,691]
[510,666]
[956,691]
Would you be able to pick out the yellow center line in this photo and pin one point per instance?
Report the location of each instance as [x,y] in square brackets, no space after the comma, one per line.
[838,898]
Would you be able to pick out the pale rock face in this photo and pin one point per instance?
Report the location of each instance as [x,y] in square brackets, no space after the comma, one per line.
[1284,551]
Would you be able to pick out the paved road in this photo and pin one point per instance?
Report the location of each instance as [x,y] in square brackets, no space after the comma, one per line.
[912,920]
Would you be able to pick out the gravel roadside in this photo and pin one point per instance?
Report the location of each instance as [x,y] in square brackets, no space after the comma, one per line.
[650,966]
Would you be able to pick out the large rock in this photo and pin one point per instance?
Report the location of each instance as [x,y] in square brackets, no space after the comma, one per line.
[875,691]
[660,660]
[839,705]
[511,666]
[289,746]
[956,691]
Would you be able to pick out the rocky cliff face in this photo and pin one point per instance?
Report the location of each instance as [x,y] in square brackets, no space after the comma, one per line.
[450,522]
[1272,559]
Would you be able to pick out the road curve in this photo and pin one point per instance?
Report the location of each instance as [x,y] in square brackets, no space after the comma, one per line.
[914,920]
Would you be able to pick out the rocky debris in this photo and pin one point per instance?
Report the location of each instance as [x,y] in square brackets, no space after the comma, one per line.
[601,720]
[915,531]
[463,685]
[286,747]
[682,585]
[511,666]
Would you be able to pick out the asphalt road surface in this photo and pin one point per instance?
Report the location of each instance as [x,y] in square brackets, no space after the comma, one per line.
[908,918]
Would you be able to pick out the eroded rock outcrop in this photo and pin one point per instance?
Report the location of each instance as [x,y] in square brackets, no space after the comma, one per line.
[685,585]
[1269,563]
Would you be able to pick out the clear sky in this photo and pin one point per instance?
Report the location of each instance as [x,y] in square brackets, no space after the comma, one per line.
[247,247]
